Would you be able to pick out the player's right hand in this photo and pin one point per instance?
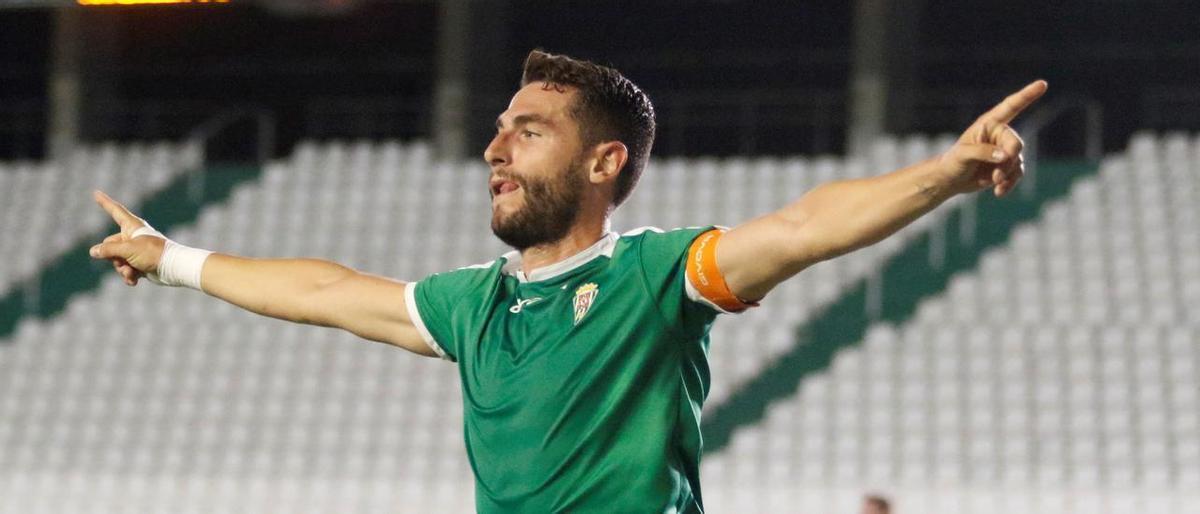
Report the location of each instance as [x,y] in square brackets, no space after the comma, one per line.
[131,257]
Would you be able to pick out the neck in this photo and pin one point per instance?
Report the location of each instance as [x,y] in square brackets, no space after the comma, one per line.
[577,240]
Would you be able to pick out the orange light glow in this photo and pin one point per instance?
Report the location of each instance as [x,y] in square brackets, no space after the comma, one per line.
[148,2]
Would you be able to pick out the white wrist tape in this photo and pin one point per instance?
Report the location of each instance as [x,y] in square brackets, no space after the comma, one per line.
[147,230]
[179,265]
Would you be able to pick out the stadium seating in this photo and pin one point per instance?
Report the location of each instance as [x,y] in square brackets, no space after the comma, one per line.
[1060,376]
[219,410]
[1063,370]
[47,207]
[682,192]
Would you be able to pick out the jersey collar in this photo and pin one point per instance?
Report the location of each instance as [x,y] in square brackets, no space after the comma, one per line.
[603,247]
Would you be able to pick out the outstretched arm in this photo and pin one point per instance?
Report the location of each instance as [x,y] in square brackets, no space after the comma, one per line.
[310,291]
[842,216]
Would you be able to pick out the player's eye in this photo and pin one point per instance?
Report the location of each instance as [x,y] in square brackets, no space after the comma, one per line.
[528,134]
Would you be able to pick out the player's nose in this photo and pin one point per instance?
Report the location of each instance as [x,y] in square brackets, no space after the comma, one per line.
[496,154]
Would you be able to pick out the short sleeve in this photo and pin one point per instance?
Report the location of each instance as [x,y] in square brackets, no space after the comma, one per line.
[705,283]
[663,261]
[429,314]
[675,260]
[443,306]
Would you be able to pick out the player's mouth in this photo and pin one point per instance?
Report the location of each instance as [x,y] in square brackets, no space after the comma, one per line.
[501,187]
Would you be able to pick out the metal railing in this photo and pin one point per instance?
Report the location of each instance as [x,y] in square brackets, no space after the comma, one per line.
[1032,126]
[201,136]
[1031,129]
[147,119]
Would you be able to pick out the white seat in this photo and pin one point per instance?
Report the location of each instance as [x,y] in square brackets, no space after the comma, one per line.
[1065,360]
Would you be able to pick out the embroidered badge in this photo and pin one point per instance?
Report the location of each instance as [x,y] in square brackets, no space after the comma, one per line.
[584,296]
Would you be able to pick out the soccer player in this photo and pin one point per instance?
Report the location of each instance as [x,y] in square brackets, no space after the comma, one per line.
[582,353]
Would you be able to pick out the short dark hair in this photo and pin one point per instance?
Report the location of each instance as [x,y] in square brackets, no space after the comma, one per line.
[609,108]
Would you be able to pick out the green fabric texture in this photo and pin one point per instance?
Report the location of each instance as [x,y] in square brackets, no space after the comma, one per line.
[74,271]
[907,278]
[581,390]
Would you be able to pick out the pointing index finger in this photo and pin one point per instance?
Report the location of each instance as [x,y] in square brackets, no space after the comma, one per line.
[121,215]
[1011,106]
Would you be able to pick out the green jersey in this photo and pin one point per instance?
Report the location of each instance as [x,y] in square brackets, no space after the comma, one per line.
[582,382]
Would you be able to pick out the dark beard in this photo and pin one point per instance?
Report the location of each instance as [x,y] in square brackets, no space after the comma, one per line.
[549,210]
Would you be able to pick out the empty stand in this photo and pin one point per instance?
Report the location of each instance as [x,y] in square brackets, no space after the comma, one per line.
[1059,376]
[45,208]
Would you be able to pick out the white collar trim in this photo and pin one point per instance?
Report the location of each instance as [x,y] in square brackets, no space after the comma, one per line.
[512,264]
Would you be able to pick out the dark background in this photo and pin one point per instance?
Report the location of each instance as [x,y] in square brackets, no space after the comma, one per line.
[727,77]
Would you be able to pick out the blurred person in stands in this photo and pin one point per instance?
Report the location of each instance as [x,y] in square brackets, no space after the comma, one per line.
[582,353]
[875,504]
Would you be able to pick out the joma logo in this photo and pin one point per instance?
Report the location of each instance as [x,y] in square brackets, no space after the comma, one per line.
[516,309]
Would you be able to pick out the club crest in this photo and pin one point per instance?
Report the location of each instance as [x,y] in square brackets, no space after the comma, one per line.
[584,296]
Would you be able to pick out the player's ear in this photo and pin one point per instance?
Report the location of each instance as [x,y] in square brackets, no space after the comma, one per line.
[608,160]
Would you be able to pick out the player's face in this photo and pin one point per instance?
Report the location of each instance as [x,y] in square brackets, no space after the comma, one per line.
[537,176]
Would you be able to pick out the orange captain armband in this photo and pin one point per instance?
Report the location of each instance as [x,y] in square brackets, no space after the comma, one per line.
[705,283]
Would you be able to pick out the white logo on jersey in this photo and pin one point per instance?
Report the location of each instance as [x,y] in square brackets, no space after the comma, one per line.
[516,309]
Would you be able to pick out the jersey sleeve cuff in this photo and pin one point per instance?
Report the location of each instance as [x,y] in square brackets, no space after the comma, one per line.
[414,314]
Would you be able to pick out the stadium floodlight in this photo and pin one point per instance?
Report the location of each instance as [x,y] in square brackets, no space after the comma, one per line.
[148,2]
[292,7]
[25,4]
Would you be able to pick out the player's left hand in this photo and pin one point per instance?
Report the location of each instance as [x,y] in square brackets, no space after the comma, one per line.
[988,154]
[132,257]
